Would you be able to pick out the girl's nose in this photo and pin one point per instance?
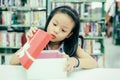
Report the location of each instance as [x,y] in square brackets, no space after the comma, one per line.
[57,29]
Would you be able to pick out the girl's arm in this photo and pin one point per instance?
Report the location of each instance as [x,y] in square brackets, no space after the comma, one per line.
[86,61]
[15,60]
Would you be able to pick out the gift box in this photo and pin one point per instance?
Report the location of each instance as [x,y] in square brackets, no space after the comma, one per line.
[32,49]
[48,66]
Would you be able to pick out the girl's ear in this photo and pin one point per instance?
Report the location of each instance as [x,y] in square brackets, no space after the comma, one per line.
[69,35]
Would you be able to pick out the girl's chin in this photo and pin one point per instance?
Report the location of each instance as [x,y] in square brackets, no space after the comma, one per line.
[52,40]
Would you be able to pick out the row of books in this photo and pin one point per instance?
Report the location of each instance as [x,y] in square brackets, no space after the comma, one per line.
[23,18]
[5,59]
[10,39]
[57,4]
[118,25]
[85,9]
[92,47]
[118,18]
[118,32]
[27,3]
[91,29]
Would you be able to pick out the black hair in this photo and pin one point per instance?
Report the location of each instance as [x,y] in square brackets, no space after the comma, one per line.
[71,43]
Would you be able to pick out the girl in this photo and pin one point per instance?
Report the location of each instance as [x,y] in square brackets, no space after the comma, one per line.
[63,23]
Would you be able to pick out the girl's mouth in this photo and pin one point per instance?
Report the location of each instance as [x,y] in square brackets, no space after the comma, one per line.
[53,36]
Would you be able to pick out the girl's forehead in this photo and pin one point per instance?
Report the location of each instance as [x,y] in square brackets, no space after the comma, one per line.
[63,18]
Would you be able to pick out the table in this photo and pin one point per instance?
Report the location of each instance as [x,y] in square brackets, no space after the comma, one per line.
[96,74]
[10,72]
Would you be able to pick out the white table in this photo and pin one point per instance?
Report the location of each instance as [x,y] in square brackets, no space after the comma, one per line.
[8,72]
[96,74]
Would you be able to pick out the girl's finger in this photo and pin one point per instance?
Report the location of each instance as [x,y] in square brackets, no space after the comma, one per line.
[33,29]
[30,33]
[69,68]
[64,55]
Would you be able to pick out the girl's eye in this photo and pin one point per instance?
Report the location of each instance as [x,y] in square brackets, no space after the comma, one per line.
[63,30]
[54,24]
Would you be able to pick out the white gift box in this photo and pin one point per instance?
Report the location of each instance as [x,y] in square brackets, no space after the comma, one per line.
[51,68]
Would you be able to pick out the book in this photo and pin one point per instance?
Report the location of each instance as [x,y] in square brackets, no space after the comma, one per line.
[45,54]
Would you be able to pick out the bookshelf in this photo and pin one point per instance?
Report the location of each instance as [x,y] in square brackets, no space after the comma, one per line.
[116,24]
[92,27]
[16,17]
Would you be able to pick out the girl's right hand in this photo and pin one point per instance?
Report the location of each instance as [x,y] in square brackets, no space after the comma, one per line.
[70,64]
[30,33]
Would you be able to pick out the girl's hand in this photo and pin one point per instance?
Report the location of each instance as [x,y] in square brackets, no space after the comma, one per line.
[30,33]
[70,64]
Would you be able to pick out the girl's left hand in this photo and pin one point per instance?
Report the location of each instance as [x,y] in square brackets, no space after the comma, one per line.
[70,64]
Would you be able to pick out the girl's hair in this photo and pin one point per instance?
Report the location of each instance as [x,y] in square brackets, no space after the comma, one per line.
[71,43]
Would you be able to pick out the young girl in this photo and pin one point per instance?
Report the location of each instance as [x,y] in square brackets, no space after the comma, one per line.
[63,23]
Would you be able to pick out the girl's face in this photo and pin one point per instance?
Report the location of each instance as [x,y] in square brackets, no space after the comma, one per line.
[60,27]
